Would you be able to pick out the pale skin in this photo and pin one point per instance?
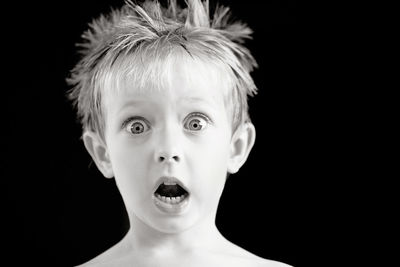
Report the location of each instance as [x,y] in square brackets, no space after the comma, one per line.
[186,132]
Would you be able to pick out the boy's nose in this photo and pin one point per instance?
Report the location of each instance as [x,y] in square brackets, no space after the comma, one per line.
[168,149]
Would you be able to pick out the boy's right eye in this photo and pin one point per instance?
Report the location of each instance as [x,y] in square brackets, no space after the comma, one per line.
[136,126]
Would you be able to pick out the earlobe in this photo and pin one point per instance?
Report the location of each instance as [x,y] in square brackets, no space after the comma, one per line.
[241,145]
[98,151]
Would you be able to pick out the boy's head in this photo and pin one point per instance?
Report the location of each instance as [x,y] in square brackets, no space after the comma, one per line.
[162,94]
[139,44]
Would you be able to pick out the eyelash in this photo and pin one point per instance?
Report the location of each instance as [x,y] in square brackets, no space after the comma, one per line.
[194,114]
[205,117]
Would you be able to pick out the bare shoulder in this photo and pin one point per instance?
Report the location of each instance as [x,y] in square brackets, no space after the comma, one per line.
[243,257]
[99,260]
[271,263]
[256,261]
[105,258]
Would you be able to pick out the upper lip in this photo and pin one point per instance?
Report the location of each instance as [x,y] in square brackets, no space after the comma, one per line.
[169,179]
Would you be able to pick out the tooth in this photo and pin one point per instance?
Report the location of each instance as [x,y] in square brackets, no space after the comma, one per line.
[168,199]
[169,183]
[163,198]
[178,199]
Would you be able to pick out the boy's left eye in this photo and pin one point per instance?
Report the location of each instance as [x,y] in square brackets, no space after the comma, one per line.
[196,122]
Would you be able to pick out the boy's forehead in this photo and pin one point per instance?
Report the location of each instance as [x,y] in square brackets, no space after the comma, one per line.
[149,103]
[180,94]
[187,79]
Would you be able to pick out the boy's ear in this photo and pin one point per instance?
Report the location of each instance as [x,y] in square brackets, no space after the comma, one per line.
[241,144]
[98,150]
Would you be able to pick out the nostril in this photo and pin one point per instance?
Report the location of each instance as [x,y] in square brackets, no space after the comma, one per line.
[174,158]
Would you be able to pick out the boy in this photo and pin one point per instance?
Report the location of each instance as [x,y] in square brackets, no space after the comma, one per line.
[162,96]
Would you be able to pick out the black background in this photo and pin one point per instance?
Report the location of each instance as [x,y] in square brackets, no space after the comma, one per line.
[60,211]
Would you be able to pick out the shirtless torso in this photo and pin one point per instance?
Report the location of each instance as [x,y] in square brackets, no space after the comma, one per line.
[225,254]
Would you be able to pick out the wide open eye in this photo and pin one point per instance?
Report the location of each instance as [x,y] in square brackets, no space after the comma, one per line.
[196,122]
[136,126]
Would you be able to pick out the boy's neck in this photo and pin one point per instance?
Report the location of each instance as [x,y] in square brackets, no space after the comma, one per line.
[145,239]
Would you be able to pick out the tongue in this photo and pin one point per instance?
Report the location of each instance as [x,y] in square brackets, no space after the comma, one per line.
[170,190]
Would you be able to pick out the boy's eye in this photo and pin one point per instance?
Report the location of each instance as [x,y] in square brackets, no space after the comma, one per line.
[136,126]
[196,122]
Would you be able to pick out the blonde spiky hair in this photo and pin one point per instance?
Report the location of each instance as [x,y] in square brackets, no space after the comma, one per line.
[151,32]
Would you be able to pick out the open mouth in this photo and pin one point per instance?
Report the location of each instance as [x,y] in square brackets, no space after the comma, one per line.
[171,193]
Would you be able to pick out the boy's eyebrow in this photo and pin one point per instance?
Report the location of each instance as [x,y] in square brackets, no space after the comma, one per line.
[196,100]
[190,100]
[131,103]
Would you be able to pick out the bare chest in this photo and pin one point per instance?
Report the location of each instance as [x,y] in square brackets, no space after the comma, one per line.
[185,261]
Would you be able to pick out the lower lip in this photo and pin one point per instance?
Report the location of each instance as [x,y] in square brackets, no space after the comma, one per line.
[171,208]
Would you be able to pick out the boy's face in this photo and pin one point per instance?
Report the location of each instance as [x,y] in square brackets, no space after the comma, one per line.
[182,132]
